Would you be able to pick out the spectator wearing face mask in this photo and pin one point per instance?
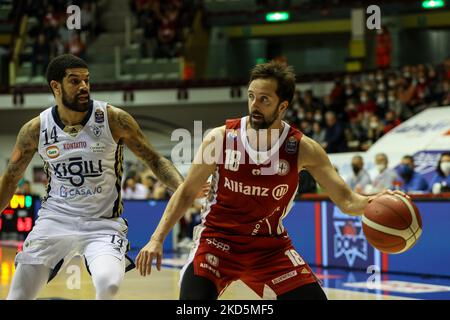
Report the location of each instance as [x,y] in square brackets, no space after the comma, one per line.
[318,116]
[367,105]
[391,121]
[360,178]
[374,132]
[441,180]
[381,102]
[350,92]
[410,180]
[385,177]
[318,134]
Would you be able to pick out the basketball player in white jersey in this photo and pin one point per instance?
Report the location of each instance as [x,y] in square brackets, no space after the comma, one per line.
[81,143]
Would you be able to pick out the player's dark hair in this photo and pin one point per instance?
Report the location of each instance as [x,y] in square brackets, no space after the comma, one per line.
[284,76]
[411,158]
[56,69]
[438,168]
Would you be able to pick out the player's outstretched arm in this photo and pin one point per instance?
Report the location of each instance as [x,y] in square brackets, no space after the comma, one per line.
[204,165]
[313,158]
[125,128]
[26,145]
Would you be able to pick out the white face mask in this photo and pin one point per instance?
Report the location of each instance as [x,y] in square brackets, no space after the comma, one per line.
[381,100]
[380,167]
[445,167]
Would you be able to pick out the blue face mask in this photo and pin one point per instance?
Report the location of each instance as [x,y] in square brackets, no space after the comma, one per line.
[404,170]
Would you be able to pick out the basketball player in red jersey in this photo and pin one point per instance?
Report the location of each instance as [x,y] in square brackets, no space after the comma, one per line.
[255,163]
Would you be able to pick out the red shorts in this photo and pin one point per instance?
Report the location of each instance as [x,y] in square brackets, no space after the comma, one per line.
[270,266]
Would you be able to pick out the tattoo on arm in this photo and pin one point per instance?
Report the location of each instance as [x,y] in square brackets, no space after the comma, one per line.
[26,145]
[24,151]
[138,143]
[166,172]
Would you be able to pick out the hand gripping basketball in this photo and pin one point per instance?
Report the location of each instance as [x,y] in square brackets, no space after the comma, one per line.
[391,222]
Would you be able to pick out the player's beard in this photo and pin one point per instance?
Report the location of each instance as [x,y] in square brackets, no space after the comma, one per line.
[74,103]
[266,122]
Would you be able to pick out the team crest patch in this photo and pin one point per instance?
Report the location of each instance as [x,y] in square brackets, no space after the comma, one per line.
[99,116]
[212,260]
[52,152]
[291,145]
[96,131]
[283,167]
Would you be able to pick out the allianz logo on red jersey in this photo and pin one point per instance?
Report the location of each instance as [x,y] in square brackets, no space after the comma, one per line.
[277,193]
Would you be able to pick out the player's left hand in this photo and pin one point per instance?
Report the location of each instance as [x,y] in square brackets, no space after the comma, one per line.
[144,260]
[391,192]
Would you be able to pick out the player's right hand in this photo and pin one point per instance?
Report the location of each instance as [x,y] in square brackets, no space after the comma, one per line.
[144,260]
[204,191]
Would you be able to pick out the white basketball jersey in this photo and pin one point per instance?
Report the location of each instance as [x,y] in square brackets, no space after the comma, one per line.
[84,171]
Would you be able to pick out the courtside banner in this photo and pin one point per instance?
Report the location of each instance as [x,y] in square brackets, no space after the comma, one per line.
[424,136]
[428,131]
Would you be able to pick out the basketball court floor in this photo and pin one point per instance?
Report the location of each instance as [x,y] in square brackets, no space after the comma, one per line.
[163,285]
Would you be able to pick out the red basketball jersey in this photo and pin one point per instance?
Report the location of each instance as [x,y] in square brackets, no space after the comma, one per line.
[252,191]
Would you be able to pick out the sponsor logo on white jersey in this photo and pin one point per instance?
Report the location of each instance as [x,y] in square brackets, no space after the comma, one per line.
[77,170]
[98,147]
[52,152]
[75,145]
[70,193]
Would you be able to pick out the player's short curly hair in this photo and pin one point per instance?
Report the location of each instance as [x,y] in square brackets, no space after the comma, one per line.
[284,76]
[56,69]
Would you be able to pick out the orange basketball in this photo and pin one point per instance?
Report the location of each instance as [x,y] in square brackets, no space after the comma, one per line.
[392,223]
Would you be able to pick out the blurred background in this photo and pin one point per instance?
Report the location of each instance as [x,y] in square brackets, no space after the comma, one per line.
[373,88]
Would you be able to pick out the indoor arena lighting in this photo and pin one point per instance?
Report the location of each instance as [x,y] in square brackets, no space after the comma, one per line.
[433,4]
[277,16]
